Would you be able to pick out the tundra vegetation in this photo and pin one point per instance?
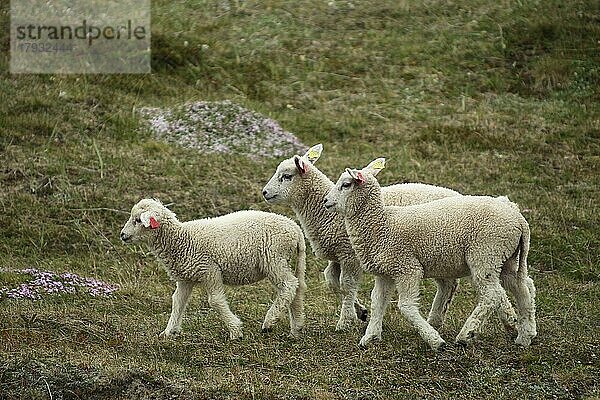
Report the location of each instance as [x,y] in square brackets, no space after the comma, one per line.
[484,97]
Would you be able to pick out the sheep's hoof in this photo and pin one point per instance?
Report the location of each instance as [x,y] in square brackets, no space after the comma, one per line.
[169,335]
[362,315]
[464,342]
[512,332]
[294,335]
[511,328]
[267,330]
[235,335]
[465,339]
[366,340]
[440,346]
[523,341]
[361,312]
[343,326]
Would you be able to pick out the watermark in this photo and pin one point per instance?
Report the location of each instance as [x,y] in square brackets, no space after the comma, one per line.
[79,37]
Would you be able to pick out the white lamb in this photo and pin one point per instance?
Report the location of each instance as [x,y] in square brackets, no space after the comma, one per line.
[298,183]
[484,237]
[235,249]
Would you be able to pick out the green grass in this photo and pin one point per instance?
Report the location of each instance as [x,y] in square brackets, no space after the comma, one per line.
[486,97]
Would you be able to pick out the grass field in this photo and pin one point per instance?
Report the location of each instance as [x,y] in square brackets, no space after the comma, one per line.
[485,97]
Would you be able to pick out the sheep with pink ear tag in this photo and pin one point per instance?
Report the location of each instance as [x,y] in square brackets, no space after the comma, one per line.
[298,183]
[149,221]
[235,249]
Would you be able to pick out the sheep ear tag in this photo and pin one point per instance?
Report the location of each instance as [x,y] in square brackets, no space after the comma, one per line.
[314,153]
[360,178]
[376,165]
[154,223]
[301,165]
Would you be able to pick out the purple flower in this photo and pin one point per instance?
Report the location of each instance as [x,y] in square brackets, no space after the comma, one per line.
[46,282]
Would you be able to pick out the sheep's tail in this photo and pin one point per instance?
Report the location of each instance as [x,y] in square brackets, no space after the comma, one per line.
[524,246]
[505,199]
[524,249]
[525,237]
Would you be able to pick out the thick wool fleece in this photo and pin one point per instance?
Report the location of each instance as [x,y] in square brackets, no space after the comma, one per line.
[243,246]
[236,249]
[326,231]
[329,240]
[481,236]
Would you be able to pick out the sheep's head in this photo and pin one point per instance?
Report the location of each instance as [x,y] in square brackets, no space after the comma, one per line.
[351,185]
[289,171]
[145,219]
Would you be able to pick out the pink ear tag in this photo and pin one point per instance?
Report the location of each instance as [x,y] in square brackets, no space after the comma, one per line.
[361,179]
[304,167]
[154,223]
[301,165]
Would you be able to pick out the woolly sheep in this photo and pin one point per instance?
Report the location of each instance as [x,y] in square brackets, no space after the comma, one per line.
[484,237]
[235,249]
[300,184]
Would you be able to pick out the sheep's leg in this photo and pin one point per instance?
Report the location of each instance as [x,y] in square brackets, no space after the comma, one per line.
[491,297]
[217,300]
[287,285]
[349,278]
[332,278]
[180,298]
[297,310]
[407,286]
[507,314]
[524,292]
[359,309]
[380,298]
[297,315]
[530,309]
[443,297]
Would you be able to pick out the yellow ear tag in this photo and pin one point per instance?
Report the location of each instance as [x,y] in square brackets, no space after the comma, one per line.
[377,164]
[314,152]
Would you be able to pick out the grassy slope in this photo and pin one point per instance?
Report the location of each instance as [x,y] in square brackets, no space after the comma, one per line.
[491,97]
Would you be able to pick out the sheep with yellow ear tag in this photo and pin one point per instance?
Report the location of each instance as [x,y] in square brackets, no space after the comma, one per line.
[298,183]
[483,237]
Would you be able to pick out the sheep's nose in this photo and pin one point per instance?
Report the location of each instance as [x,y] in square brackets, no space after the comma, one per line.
[265,193]
[325,200]
[123,236]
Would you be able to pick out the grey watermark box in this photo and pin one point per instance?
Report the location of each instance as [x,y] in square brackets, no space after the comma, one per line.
[80,37]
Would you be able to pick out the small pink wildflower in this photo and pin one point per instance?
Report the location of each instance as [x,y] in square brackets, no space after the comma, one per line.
[46,282]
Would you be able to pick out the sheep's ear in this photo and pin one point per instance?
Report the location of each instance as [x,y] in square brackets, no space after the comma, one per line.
[357,175]
[301,165]
[149,220]
[314,153]
[375,166]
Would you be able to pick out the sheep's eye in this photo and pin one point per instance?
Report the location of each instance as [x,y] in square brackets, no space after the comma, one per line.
[286,177]
[346,185]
